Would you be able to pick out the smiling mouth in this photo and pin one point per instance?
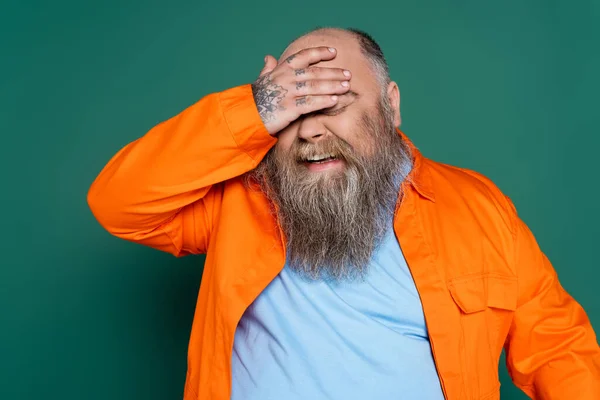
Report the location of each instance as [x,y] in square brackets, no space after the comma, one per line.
[322,162]
[321,158]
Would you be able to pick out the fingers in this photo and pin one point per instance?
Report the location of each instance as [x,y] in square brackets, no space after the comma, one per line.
[320,81]
[309,56]
[308,104]
[322,73]
[318,87]
[270,64]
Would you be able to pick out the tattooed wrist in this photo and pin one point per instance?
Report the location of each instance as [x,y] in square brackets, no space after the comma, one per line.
[267,96]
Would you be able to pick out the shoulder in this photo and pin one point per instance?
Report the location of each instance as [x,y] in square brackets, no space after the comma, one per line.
[456,186]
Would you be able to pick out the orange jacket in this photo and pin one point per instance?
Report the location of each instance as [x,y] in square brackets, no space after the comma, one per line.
[484,283]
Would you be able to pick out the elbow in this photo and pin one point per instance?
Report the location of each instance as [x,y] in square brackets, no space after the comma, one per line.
[119,214]
[98,205]
[106,210]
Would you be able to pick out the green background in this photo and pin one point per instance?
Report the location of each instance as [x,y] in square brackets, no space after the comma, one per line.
[506,88]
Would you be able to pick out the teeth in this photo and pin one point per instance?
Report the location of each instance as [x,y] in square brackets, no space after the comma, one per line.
[321,157]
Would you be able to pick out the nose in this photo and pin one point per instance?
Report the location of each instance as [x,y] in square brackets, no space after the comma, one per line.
[311,130]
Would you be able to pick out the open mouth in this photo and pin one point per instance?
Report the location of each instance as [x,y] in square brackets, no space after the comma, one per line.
[320,159]
[322,162]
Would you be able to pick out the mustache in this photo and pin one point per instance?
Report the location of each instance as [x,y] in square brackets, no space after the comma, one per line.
[339,148]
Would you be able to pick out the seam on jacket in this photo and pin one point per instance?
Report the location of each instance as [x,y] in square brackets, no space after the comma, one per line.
[494,392]
[491,350]
[207,219]
[210,217]
[208,226]
[417,217]
[515,261]
[191,389]
[514,217]
[512,214]
[463,358]
[231,131]
[177,248]
[162,229]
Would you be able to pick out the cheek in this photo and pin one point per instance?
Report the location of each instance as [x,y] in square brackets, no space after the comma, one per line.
[352,132]
[285,139]
[343,126]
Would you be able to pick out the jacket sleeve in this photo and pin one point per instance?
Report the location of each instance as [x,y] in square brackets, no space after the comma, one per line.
[159,190]
[551,351]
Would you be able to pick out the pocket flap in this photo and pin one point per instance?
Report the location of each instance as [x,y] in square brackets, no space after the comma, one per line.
[475,293]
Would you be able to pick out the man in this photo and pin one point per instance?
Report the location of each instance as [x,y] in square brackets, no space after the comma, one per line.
[340,262]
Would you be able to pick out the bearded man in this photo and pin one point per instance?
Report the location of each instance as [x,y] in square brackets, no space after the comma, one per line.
[340,262]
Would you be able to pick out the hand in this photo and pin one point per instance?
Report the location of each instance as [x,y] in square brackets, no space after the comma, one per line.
[286,91]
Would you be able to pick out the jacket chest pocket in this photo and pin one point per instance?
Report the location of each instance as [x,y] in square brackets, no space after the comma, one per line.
[486,303]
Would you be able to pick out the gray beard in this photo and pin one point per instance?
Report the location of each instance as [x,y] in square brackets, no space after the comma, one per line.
[333,223]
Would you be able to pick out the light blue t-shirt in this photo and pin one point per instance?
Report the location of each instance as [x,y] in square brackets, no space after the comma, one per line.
[360,340]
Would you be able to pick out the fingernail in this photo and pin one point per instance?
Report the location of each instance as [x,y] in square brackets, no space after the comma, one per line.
[331,49]
[265,58]
[345,83]
[346,72]
[334,98]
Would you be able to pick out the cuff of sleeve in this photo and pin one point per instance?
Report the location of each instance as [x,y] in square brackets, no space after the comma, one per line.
[244,122]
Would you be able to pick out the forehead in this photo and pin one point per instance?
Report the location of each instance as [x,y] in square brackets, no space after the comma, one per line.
[349,56]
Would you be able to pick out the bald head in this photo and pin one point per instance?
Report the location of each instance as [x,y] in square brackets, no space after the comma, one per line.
[320,37]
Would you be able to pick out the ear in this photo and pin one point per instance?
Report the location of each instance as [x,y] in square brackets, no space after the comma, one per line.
[393,94]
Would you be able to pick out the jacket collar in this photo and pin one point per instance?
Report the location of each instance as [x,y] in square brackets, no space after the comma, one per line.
[420,175]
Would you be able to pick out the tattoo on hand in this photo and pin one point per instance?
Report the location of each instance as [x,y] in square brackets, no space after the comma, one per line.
[300,85]
[300,71]
[267,96]
[301,101]
[290,58]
